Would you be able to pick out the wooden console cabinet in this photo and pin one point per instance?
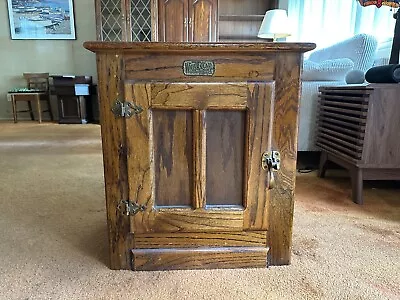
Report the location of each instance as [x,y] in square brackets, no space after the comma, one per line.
[358,128]
[185,131]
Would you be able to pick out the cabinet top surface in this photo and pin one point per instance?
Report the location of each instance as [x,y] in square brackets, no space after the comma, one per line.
[97,46]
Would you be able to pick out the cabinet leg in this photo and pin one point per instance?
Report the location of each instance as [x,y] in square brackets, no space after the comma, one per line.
[356,185]
[322,164]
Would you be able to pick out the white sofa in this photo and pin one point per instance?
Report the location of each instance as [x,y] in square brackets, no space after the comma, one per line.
[326,67]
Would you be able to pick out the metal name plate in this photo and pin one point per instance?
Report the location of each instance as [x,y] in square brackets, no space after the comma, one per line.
[198,68]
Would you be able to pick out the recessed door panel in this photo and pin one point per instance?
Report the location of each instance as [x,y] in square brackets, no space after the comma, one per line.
[173,157]
[225,146]
[173,18]
[203,20]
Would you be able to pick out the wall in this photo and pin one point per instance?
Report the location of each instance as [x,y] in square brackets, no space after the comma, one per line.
[53,56]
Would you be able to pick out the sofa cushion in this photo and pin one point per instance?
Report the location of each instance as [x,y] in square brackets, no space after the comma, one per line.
[331,69]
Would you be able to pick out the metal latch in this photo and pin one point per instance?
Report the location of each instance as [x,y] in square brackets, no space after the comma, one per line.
[271,161]
[126,109]
[129,208]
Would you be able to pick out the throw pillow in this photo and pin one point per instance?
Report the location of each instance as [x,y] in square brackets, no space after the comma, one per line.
[327,70]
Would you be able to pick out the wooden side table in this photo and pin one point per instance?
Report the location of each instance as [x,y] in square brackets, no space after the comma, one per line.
[358,128]
[192,137]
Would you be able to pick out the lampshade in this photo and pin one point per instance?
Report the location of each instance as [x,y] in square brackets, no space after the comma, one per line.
[274,25]
[379,3]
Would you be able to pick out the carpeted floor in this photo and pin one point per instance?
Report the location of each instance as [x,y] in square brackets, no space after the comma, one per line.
[54,244]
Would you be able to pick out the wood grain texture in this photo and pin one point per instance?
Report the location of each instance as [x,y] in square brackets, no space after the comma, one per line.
[187,220]
[227,67]
[203,20]
[284,139]
[200,239]
[259,134]
[198,258]
[173,157]
[225,135]
[199,159]
[172,20]
[114,158]
[154,21]
[140,159]
[189,49]
[382,142]
[199,96]
[266,66]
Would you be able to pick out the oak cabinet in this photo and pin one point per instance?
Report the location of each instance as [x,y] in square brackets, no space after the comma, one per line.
[180,20]
[124,20]
[187,20]
[191,135]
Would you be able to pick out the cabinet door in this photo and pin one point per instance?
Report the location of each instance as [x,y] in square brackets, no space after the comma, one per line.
[203,20]
[139,20]
[111,20]
[173,20]
[194,165]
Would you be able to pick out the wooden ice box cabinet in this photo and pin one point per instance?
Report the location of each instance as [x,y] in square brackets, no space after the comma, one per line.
[192,135]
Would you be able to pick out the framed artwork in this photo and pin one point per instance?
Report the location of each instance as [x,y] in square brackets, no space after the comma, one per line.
[41,19]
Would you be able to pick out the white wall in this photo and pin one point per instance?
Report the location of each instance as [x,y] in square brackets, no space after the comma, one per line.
[53,56]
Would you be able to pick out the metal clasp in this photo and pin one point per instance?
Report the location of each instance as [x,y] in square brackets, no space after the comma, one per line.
[129,208]
[271,161]
[126,109]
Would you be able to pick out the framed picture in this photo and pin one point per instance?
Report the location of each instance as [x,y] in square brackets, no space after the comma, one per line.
[41,19]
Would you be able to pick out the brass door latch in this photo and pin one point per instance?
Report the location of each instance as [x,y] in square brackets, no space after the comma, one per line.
[130,208]
[271,161]
[126,109]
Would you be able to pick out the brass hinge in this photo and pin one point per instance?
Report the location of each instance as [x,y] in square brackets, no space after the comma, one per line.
[129,208]
[271,161]
[126,109]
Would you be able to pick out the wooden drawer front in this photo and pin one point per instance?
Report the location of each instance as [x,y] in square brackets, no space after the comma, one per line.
[341,122]
[161,67]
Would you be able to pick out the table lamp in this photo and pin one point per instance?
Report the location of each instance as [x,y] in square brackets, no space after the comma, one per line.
[275,25]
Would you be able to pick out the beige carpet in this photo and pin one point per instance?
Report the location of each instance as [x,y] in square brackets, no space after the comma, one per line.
[53,233]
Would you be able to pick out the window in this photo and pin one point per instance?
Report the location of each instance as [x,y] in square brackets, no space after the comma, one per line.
[326,22]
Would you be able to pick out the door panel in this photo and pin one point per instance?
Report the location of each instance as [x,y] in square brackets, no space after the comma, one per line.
[203,20]
[177,149]
[173,18]
[173,157]
[225,154]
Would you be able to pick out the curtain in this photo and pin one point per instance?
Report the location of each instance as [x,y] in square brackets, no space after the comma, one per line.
[326,22]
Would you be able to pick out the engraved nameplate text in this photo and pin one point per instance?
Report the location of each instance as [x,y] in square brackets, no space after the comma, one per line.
[198,68]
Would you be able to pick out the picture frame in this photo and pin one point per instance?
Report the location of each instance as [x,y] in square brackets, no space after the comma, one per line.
[41,19]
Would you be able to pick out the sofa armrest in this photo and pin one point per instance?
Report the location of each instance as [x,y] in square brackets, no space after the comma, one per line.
[327,70]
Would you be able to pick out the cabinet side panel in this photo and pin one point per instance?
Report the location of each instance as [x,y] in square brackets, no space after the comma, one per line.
[284,139]
[114,157]
[381,148]
[173,157]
